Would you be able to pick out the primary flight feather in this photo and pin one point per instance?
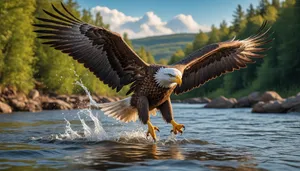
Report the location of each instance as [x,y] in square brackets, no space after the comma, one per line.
[108,56]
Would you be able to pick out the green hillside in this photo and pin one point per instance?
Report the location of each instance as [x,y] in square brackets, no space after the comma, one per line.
[164,46]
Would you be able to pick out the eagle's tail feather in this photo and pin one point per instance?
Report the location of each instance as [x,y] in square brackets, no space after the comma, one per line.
[120,110]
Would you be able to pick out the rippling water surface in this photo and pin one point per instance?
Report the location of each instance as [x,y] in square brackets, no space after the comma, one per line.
[228,139]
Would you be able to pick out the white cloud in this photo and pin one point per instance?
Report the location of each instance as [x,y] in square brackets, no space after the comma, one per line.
[148,25]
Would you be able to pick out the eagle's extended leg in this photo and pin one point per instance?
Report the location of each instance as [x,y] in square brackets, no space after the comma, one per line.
[167,113]
[143,112]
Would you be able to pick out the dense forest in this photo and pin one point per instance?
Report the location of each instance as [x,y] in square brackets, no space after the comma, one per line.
[279,70]
[26,63]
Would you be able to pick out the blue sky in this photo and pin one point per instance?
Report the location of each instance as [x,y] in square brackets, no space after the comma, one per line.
[205,12]
[159,17]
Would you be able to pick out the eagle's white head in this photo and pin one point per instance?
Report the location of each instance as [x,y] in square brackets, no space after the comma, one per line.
[168,77]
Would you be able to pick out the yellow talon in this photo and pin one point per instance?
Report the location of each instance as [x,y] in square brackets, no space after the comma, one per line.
[177,127]
[151,130]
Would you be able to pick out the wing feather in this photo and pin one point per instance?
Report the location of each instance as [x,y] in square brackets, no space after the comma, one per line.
[103,52]
[220,58]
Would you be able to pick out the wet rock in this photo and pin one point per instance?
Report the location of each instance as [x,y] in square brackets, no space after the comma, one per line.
[33,106]
[197,100]
[270,96]
[291,102]
[258,108]
[254,98]
[243,102]
[221,102]
[34,94]
[17,105]
[269,107]
[51,104]
[274,107]
[4,108]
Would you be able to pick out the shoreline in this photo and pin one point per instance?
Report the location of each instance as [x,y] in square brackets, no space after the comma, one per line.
[267,102]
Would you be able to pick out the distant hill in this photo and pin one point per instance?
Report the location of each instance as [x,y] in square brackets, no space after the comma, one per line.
[164,46]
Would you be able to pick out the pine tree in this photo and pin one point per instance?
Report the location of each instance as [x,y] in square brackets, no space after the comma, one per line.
[250,12]
[214,35]
[200,40]
[263,4]
[224,31]
[239,21]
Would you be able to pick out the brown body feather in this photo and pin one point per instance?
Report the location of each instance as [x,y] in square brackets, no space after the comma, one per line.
[108,56]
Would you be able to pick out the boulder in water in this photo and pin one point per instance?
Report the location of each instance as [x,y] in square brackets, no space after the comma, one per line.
[221,102]
[269,107]
[254,98]
[270,96]
[243,102]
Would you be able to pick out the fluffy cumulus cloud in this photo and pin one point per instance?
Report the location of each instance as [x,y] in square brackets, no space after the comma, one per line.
[148,25]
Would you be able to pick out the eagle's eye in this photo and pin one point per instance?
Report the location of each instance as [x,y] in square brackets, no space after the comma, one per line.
[171,75]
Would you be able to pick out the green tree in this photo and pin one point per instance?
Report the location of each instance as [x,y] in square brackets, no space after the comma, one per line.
[200,40]
[214,35]
[16,43]
[188,49]
[177,56]
[224,31]
[239,21]
[263,4]
[276,4]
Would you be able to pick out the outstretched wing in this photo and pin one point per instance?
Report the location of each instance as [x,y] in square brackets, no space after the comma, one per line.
[103,52]
[216,59]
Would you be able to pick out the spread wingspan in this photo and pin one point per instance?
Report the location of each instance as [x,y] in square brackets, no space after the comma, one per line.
[220,58]
[103,52]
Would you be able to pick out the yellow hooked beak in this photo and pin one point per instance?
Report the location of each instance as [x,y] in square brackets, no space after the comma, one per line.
[178,80]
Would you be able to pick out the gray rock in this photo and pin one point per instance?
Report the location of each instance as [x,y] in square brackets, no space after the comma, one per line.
[269,107]
[258,108]
[254,98]
[243,102]
[291,102]
[221,102]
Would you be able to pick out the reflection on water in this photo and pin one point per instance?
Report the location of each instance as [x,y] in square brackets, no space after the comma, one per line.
[232,140]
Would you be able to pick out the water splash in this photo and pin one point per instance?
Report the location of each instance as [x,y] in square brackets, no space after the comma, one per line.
[96,133]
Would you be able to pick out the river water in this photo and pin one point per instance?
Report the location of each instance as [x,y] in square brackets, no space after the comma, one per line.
[227,139]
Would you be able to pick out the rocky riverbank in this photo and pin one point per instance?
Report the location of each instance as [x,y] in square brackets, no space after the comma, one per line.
[11,101]
[267,102]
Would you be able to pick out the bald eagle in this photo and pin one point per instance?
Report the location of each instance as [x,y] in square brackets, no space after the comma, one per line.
[108,56]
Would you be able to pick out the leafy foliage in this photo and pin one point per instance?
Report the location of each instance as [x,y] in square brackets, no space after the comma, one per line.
[279,70]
